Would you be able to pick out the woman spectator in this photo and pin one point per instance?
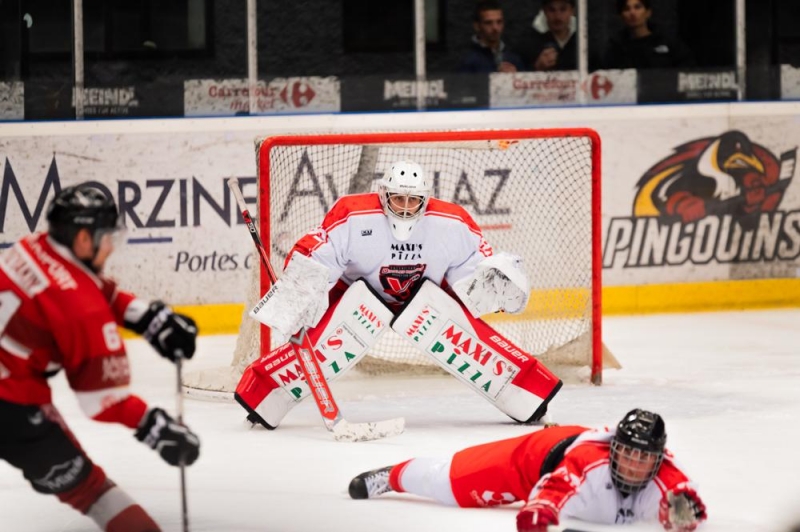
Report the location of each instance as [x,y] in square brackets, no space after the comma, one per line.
[640,45]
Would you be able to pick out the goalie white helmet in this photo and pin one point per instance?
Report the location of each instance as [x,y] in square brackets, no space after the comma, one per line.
[404,193]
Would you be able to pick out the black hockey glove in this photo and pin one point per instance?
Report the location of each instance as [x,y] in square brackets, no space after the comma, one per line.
[166,331]
[171,440]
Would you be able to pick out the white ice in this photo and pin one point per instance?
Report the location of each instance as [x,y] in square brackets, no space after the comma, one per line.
[728,385]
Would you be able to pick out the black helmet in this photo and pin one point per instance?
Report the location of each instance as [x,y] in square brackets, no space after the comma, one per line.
[81,206]
[640,439]
[643,430]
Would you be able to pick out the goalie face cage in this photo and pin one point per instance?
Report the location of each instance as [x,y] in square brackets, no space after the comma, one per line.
[535,193]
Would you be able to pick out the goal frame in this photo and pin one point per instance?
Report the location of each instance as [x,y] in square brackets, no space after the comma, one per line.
[264,169]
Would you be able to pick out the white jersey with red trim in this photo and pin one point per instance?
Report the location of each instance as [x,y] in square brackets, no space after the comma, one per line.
[581,487]
[355,240]
[56,313]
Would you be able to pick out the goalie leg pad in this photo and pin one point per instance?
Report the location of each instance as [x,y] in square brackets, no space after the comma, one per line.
[274,383]
[514,381]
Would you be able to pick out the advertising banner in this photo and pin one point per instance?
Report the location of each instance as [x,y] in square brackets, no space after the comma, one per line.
[658,86]
[690,194]
[537,89]
[790,82]
[185,241]
[56,101]
[702,199]
[446,91]
[229,97]
[12,100]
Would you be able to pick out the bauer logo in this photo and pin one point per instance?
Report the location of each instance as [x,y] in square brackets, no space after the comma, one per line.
[469,360]
[714,199]
[264,300]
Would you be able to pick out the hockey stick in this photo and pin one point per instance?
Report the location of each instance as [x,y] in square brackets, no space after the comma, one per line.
[182,465]
[304,352]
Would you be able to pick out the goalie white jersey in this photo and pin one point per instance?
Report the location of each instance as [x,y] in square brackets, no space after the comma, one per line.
[355,240]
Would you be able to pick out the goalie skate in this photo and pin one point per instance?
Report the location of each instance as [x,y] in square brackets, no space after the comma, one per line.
[371,484]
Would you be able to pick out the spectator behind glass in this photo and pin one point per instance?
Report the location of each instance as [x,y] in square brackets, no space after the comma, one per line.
[640,45]
[488,52]
[552,43]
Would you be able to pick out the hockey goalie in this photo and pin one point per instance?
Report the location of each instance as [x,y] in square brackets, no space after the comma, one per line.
[402,259]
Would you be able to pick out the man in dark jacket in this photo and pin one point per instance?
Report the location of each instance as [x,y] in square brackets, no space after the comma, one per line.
[488,52]
[552,44]
[640,45]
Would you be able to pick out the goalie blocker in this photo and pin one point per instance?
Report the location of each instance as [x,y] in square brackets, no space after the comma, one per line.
[514,381]
[469,349]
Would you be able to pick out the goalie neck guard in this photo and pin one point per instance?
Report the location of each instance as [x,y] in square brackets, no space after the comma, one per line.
[404,193]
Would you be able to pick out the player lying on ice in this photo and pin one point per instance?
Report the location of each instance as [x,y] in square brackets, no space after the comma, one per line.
[603,476]
[58,311]
[397,258]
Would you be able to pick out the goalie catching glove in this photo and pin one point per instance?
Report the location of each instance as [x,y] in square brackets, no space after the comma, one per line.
[168,332]
[499,283]
[298,299]
[170,439]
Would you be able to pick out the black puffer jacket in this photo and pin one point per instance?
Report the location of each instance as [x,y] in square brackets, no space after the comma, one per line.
[653,51]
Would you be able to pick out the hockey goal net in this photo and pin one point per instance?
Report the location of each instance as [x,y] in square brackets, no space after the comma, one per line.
[535,193]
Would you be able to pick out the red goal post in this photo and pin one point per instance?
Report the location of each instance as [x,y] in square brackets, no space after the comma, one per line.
[507,179]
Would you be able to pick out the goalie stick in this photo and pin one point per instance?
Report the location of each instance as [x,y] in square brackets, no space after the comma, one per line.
[304,352]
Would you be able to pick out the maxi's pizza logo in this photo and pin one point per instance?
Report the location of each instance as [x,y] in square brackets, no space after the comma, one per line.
[713,199]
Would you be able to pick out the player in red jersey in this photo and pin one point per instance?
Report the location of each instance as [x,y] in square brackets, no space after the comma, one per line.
[603,476]
[58,312]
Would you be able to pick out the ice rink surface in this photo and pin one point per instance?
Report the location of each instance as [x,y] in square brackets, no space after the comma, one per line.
[727,384]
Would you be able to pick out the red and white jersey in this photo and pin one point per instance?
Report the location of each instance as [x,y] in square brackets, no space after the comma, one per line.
[355,240]
[56,313]
[581,487]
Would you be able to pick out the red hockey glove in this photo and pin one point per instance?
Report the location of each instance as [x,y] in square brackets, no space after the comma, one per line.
[536,517]
[681,510]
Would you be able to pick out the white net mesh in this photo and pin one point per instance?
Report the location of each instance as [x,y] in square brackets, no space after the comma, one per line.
[531,196]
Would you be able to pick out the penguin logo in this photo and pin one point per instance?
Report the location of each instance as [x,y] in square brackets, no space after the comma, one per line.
[728,174]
